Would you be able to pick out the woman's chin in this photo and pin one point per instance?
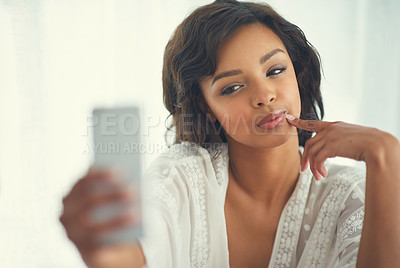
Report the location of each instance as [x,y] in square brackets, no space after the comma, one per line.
[267,139]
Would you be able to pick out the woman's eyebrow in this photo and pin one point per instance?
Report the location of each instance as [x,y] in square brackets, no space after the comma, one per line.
[269,55]
[263,59]
[225,74]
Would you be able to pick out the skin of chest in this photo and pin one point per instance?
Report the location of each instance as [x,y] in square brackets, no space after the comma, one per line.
[251,232]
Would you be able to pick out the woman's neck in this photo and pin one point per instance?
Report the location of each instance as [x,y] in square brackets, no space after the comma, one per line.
[264,176]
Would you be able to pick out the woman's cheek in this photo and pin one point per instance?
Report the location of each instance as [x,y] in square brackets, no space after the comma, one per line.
[293,97]
[235,123]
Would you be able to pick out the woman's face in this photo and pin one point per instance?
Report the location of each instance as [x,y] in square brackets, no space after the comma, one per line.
[252,89]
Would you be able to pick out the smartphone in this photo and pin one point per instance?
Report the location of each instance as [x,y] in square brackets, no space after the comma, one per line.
[116,137]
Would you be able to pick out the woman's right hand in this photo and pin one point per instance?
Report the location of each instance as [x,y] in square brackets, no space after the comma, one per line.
[84,232]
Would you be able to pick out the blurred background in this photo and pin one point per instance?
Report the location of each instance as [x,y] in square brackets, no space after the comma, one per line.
[60,59]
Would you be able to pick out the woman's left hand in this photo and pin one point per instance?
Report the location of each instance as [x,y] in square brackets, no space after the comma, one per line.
[338,139]
[380,239]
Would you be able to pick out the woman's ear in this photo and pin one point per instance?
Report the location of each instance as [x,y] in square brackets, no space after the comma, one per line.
[206,110]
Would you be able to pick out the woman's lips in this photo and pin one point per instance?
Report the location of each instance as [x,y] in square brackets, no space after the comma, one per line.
[272,120]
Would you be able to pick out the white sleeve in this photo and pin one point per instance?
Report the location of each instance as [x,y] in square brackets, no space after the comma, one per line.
[164,220]
[349,228]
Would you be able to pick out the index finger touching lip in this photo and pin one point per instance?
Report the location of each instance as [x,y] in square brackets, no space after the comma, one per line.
[309,125]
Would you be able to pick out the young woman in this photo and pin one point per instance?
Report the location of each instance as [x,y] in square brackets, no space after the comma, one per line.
[245,184]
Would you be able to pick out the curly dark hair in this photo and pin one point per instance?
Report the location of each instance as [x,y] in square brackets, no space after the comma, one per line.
[191,54]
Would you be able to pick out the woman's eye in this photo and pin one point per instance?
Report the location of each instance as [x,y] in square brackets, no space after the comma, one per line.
[276,71]
[231,89]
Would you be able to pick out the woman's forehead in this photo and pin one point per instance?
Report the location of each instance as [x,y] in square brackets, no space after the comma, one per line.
[252,40]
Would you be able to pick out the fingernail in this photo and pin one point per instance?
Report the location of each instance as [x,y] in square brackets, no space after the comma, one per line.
[324,171]
[290,117]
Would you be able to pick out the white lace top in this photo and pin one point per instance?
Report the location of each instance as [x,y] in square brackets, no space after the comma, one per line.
[320,225]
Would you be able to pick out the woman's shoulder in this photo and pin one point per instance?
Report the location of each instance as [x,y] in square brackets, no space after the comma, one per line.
[184,174]
[183,152]
[189,158]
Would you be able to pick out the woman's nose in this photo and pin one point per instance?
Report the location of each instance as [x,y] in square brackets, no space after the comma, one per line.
[263,95]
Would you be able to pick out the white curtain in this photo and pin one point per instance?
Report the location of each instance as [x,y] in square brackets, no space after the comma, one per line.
[59,59]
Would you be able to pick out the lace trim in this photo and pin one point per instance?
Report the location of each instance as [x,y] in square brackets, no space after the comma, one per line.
[199,254]
[219,163]
[324,226]
[293,216]
[353,224]
[188,155]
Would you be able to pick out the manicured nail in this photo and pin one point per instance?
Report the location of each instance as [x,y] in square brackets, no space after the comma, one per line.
[290,117]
